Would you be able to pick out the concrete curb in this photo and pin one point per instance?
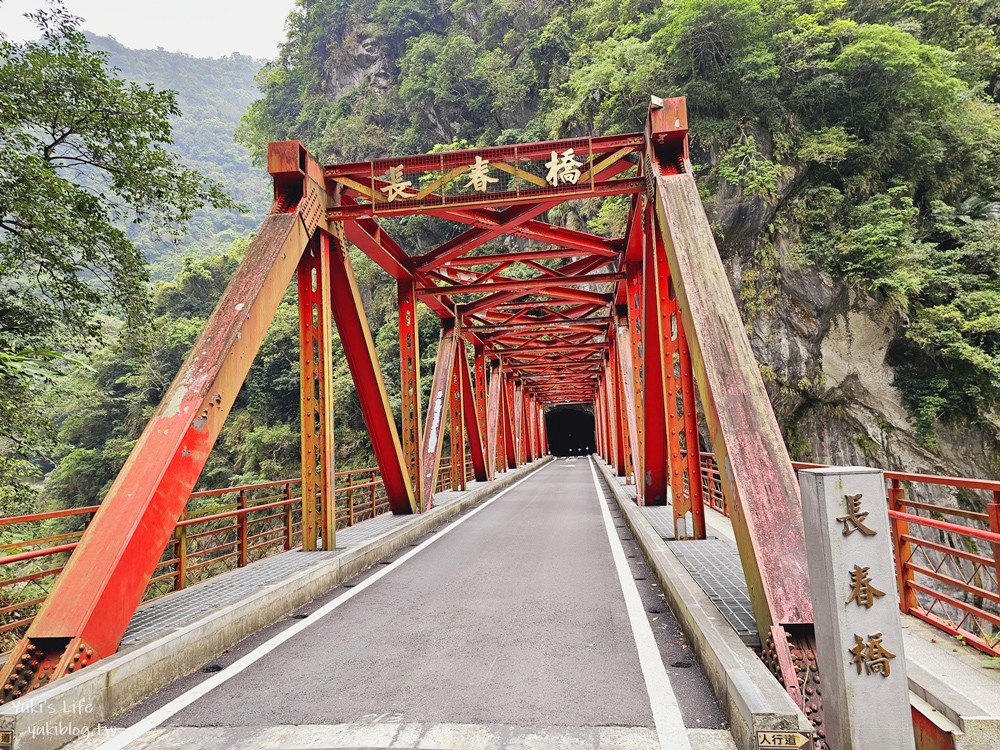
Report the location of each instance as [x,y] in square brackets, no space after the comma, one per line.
[749,694]
[72,707]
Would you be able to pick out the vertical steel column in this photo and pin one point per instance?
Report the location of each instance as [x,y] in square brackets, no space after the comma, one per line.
[494,417]
[675,424]
[602,446]
[628,386]
[509,439]
[482,403]
[609,406]
[689,435]
[359,351]
[456,420]
[621,444]
[633,289]
[543,431]
[316,396]
[655,361]
[532,429]
[430,454]
[474,428]
[518,403]
[409,371]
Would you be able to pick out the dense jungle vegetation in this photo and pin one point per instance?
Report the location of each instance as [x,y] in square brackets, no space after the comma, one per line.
[864,133]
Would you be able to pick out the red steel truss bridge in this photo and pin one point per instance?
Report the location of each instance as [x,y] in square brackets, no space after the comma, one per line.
[642,330]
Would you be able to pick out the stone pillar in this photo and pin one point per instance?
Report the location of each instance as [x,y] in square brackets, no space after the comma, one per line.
[859,641]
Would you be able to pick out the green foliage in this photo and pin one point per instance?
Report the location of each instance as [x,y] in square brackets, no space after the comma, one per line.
[856,129]
[744,166]
[213,95]
[874,243]
[83,157]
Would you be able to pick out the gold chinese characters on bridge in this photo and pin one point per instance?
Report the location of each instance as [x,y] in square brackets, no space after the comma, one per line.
[592,166]
[867,655]
[563,168]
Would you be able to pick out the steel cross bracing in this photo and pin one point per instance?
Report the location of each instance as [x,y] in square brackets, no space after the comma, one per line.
[641,329]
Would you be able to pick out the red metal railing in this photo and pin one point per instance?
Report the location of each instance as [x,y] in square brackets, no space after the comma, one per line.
[219,530]
[946,543]
[447,480]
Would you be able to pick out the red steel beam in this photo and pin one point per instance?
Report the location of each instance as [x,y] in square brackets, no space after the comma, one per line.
[359,351]
[655,445]
[93,600]
[471,414]
[551,196]
[463,157]
[409,371]
[567,242]
[430,455]
[633,321]
[533,284]
[316,397]
[756,473]
[689,435]
[629,411]
[507,220]
[509,437]
[456,420]
[494,417]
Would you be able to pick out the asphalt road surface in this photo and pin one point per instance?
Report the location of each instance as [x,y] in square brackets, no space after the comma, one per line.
[526,623]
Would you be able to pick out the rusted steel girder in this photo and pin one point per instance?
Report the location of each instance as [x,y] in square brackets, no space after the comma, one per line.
[430,454]
[756,472]
[359,351]
[319,513]
[93,600]
[409,372]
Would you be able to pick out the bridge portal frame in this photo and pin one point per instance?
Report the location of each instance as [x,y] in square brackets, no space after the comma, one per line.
[633,325]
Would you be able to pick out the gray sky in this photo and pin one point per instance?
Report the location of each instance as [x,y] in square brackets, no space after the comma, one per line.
[204,28]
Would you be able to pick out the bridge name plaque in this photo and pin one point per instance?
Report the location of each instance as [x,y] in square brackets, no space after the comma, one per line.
[859,641]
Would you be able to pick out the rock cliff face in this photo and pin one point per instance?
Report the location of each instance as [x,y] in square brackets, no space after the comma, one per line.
[824,351]
[824,348]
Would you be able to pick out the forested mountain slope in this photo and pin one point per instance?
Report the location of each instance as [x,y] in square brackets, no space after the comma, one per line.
[847,152]
[213,94]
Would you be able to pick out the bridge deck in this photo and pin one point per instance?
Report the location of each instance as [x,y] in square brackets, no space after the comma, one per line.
[526,627]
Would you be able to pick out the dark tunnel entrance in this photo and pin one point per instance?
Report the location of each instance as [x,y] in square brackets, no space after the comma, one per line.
[570,430]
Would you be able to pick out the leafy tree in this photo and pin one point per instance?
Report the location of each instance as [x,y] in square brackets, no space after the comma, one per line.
[82,155]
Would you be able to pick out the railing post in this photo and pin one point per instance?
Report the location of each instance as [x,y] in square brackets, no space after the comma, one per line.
[289,516]
[371,481]
[350,500]
[180,541]
[241,527]
[993,509]
[902,549]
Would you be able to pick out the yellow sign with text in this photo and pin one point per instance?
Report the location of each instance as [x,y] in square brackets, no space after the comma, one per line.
[767,740]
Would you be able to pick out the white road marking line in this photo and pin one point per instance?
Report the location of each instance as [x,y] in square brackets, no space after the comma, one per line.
[666,712]
[131,734]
